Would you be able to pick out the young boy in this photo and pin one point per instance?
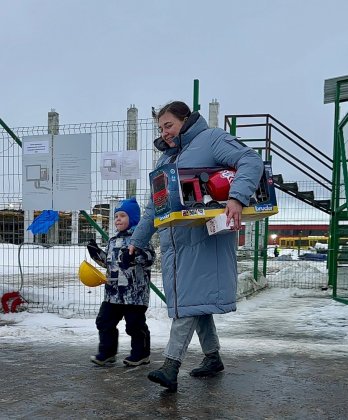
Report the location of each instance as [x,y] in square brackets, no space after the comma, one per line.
[127,290]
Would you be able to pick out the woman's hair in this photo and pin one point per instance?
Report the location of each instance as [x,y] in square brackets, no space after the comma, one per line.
[179,109]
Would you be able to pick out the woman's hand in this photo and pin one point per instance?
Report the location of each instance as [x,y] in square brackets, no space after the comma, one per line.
[233,211]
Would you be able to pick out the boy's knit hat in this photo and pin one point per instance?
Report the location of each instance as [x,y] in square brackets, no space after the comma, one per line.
[131,207]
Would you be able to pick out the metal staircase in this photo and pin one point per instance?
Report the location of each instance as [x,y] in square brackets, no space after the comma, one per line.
[291,188]
[288,150]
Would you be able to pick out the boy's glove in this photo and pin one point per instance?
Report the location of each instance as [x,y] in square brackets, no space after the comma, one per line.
[96,253]
[93,248]
[125,259]
[92,243]
[140,256]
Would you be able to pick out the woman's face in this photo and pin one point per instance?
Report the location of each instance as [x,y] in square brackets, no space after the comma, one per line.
[170,127]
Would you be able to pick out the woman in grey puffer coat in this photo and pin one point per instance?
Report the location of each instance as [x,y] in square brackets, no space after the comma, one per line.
[199,271]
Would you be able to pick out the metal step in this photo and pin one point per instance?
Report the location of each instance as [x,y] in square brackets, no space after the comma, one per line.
[323,203]
[308,195]
[278,179]
[290,186]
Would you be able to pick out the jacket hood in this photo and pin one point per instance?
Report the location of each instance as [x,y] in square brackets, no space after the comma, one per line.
[193,126]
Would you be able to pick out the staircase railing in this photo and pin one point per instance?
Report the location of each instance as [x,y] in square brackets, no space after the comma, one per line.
[279,140]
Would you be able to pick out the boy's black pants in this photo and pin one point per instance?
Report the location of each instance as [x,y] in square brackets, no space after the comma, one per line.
[110,314]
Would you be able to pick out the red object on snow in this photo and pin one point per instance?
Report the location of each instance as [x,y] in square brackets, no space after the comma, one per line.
[15,298]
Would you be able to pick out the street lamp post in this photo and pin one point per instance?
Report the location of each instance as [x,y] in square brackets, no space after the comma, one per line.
[299,242]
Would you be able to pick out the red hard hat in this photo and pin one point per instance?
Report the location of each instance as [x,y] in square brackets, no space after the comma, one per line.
[219,184]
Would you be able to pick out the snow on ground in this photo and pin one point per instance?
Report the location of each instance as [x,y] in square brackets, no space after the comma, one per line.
[274,320]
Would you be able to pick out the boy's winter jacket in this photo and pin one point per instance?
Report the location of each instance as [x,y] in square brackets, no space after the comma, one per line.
[128,276]
[200,271]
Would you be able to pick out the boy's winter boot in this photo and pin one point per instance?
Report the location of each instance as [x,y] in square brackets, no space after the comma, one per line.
[101,360]
[210,365]
[133,360]
[140,353]
[167,375]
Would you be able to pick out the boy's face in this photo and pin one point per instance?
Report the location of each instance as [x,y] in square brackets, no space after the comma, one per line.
[121,221]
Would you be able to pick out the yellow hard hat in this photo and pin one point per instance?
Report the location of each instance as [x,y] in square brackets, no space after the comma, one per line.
[91,276]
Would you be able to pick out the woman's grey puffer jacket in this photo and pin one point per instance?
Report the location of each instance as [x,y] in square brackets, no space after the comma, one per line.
[200,271]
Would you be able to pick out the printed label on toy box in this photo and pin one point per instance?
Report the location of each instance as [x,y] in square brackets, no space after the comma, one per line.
[193,212]
[166,216]
[263,207]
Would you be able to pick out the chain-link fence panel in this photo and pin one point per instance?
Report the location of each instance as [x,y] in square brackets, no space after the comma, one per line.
[44,267]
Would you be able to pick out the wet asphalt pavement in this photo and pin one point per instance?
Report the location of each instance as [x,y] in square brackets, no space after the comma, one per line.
[58,382]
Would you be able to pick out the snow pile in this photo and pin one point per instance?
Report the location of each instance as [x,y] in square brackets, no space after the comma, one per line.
[293,275]
[247,285]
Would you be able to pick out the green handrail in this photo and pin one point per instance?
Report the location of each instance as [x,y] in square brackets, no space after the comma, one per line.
[10,132]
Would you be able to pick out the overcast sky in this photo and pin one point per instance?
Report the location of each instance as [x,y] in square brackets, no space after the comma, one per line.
[90,60]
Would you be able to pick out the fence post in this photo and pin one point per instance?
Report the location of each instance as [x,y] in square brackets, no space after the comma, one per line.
[132,144]
[256,249]
[74,227]
[53,129]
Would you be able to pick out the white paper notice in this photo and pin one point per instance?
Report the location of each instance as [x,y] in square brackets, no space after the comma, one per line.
[56,172]
[72,172]
[120,165]
[36,147]
[37,172]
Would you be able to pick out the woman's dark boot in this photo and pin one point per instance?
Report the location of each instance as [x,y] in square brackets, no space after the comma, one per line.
[167,375]
[210,365]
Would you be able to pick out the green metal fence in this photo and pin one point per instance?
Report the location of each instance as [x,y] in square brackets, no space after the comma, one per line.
[37,265]
[336,91]
[44,269]
[340,251]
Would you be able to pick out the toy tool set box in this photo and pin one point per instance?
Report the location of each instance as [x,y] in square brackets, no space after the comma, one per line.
[195,195]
